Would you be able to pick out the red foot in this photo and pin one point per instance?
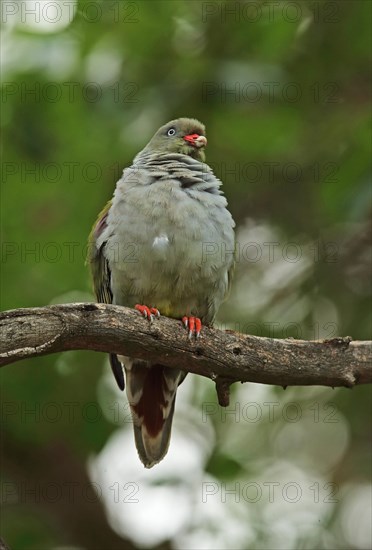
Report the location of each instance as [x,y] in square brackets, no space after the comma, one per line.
[148,312]
[193,324]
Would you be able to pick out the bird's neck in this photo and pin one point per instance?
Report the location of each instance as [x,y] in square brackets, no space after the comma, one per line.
[146,154]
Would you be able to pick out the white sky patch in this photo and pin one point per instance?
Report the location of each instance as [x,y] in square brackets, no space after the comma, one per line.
[20,53]
[355,517]
[104,63]
[268,263]
[134,496]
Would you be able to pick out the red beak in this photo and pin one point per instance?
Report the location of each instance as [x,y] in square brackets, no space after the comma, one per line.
[196,140]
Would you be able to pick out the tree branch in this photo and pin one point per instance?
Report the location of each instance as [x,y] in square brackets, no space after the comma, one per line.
[224,357]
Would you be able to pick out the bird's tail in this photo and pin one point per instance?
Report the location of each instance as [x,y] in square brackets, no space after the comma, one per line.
[151,391]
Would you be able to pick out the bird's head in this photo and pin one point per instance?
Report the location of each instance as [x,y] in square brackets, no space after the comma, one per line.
[183,135]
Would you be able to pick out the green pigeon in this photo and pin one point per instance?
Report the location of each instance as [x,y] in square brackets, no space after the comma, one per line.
[164,243]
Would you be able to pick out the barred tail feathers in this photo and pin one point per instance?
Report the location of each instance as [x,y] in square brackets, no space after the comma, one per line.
[151,391]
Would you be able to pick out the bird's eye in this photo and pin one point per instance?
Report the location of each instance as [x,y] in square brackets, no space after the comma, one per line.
[171,132]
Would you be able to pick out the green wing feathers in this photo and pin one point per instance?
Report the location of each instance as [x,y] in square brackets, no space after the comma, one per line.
[97,262]
[101,277]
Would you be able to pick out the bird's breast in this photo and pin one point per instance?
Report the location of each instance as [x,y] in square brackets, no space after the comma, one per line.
[168,231]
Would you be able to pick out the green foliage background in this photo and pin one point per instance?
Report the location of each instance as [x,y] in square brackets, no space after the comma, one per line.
[284,91]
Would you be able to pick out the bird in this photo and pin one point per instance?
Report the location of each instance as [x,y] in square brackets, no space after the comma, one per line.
[164,244]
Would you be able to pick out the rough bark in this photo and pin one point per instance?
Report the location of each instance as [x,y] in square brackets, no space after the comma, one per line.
[224,357]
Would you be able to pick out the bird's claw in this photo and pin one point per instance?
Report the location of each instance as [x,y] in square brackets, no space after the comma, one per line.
[148,312]
[193,324]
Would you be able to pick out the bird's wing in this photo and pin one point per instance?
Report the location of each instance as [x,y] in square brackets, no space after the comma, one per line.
[101,276]
[230,272]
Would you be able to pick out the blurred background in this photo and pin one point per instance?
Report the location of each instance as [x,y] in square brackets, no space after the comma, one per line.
[284,91]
